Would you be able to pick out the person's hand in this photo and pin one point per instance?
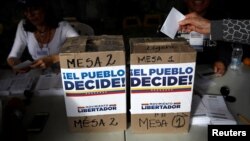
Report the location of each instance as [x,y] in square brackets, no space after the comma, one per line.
[45,62]
[219,68]
[194,22]
[12,62]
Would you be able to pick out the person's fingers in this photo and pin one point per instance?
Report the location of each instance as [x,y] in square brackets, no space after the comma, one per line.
[184,22]
[36,64]
[13,61]
[218,72]
[215,69]
[42,65]
[189,21]
[219,68]
[191,15]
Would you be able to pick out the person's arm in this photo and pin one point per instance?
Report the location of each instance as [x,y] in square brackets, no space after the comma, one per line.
[18,46]
[227,30]
[231,30]
[216,30]
[68,30]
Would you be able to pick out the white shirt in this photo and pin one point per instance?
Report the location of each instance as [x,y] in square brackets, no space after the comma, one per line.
[25,39]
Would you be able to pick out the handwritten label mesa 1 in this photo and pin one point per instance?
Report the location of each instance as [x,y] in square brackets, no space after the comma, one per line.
[161,121]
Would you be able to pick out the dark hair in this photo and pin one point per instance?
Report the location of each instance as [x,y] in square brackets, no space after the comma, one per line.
[51,19]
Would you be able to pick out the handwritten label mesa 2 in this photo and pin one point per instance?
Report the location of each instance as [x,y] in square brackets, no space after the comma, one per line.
[85,122]
[108,60]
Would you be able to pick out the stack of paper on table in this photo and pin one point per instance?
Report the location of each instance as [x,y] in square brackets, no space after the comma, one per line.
[16,85]
[49,84]
[211,109]
[21,83]
[199,112]
[218,111]
[5,86]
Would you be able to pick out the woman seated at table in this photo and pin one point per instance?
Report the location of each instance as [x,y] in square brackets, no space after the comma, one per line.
[42,32]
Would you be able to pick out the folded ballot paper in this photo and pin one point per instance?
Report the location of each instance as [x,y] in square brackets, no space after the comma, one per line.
[49,84]
[171,25]
[211,109]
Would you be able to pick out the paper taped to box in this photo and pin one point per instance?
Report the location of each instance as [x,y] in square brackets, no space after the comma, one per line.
[161,81]
[94,82]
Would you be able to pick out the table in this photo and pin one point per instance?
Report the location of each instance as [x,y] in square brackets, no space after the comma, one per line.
[57,129]
[239,83]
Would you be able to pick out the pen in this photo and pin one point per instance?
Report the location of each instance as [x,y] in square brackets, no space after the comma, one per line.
[208,73]
[243,119]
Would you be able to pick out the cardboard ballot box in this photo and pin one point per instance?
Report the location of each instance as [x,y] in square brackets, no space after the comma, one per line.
[94,81]
[161,82]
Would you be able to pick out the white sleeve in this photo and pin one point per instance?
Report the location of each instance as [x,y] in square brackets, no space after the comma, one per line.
[68,30]
[20,41]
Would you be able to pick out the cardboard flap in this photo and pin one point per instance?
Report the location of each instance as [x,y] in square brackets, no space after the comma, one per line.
[74,44]
[154,45]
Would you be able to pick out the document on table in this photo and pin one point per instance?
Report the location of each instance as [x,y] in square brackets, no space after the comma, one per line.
[16,84]
[49,84]
[199,112]
[211,109]
[21,83]
[171,25]
[218,111]
[5,86]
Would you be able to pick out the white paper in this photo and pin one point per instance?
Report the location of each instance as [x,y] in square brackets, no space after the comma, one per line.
[49,81]
[155,98]
[21,83]
[87,101]
[196,39]
[217,110]
[171,24]
[49,84]
[198,108]
[22,65]
[5,86]
[211,109]
[199,112]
